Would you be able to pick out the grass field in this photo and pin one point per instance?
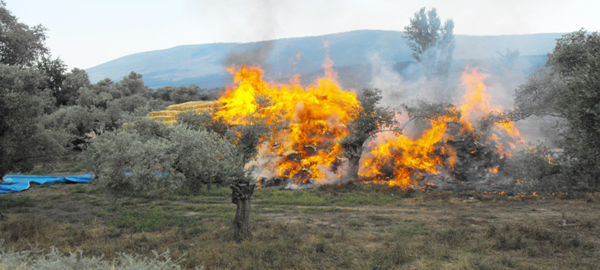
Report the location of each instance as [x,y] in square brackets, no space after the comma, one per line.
[353,226]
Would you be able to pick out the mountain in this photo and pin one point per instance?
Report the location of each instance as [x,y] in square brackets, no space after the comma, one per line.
[353,52]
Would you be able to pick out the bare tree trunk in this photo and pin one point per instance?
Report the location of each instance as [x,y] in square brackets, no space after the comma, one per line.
[353,165]
[241,197]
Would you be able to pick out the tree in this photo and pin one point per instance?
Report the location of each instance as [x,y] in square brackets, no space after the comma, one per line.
[184,94]
[23,138]
[180,94]
[156,156]
[23,101]
[20,45]
[578,103]
[55,75]
[146,156]
[431,42]
[370,120]
[73,81]
[567,88]
[133,84]
[75,120]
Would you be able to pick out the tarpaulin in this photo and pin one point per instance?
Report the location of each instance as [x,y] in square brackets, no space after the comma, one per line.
[15,182]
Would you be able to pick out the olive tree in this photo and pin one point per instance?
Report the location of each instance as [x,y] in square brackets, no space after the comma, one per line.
[23,100]
[567,88]
[23,139]
[369,120]
[146,156]
[20,44]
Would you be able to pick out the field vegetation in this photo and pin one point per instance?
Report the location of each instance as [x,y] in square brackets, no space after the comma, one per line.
[351,226]
[161,197]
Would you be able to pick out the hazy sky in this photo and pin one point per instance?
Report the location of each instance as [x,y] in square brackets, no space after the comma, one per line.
[86,33]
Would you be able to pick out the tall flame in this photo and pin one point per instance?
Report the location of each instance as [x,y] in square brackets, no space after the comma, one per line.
[317,115]
[400,160]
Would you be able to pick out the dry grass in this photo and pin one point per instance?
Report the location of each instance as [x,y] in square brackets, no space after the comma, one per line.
[347,227]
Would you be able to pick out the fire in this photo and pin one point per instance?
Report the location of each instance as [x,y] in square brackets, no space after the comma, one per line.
[401,161]
[317,116]
[494,170]
[406,158]
[476,102]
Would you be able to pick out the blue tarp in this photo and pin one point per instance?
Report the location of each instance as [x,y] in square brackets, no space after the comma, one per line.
[15,182]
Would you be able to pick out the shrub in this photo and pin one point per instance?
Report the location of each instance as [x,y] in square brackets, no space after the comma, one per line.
[536,168]
[148,156]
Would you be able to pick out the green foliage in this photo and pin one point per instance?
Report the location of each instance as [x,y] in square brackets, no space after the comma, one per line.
[17,201]
[573,50]
[134,85]
[537,96]
[431,42]
[249,136]
[568,88]
[205,158]
[180,94]
[148,128]
[579,104]
[149,156]
[123,163]
[537,169]
[203,120]
[130,103]
[75,120]
[152,221]
[20,45]
[22,137]
[74,80]
[55,75]
[369,120]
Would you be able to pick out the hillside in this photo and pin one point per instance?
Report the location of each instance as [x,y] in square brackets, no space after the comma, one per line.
[205,64]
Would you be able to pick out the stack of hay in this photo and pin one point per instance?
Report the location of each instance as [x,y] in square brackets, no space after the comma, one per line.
[170,115]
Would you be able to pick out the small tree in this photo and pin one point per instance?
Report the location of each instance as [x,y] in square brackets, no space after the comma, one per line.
[370,120]
[146,156]
[431,42]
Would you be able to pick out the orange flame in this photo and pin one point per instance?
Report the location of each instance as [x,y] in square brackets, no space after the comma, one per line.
[400,161]
[317,116]
[407,157]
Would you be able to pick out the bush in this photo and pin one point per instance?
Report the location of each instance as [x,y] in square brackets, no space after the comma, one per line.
[148,156]
[124,163]
[536,168]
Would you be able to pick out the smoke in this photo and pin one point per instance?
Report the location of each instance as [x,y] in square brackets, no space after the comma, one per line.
[262,19]
[387,80]
[257,56]
[410,84]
